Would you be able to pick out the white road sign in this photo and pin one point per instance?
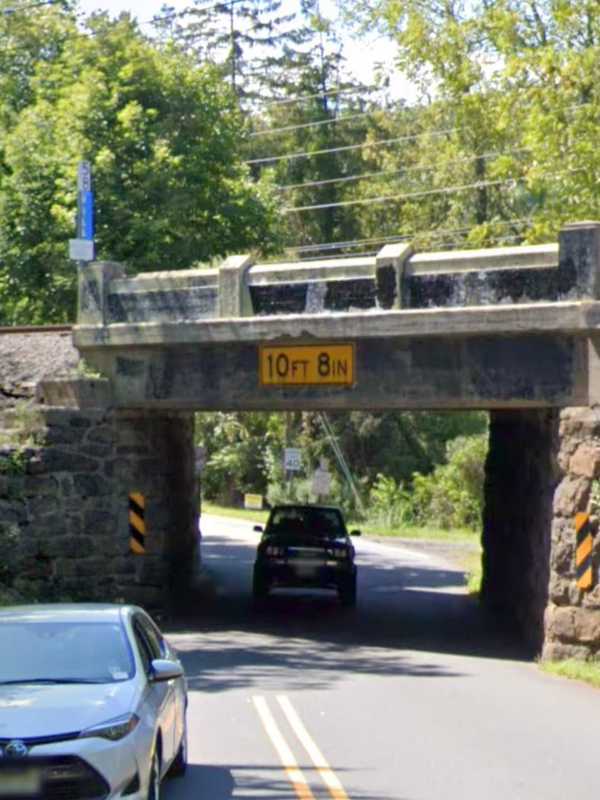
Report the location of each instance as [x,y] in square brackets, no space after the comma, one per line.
[81,250]
[292,459]
[321,482]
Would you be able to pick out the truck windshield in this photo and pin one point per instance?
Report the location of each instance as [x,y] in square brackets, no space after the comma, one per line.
[297,520]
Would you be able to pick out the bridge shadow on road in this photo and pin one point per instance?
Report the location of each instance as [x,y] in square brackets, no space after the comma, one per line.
[405,616]
[255,782]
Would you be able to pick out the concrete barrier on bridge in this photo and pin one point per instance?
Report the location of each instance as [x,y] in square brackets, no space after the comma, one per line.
[395,278]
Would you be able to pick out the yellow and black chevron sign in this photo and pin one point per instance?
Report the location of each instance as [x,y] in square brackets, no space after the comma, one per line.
[137,523]
[583,554]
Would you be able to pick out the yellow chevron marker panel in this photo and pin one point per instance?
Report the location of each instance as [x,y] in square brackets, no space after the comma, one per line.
[137,523]
[583,553]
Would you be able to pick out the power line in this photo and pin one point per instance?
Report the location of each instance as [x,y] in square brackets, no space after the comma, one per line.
[408,196]
[424,193]
[365,254]
[334,93]
[313,248]
[318,123]
[383,142]
[414,168]
[433,235]
[345,148]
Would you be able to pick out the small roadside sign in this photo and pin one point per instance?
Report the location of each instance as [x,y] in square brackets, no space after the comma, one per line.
[292,459]
[321,482]
[254,501]
[81,250]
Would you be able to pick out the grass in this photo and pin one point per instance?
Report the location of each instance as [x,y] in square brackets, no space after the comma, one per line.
[369,529]
[236,513]
[586,671]
[416,532]
[473,573]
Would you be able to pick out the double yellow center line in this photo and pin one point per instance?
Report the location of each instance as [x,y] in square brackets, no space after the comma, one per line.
[290,765]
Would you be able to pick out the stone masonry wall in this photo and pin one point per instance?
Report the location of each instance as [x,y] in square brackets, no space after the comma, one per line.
[573,616]
[64,506]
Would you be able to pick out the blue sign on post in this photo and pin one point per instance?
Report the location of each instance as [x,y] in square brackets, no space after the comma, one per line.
[86,215]
[82,248]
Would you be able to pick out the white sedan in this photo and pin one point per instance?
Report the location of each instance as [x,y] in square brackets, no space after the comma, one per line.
[92,703]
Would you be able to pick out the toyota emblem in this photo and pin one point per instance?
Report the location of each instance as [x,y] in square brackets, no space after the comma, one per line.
[16,749]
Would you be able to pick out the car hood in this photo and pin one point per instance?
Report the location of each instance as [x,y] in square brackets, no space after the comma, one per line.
[29,710]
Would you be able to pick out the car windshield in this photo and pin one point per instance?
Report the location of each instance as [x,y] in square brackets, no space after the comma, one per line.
[70,652]
[325,523]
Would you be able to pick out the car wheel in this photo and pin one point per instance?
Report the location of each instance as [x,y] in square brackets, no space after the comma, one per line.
[260,586]
[179,765]
[347,592]
[154,782]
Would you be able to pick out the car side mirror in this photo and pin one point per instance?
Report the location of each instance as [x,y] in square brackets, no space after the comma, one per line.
[162,669]
[258,528]
[355,533]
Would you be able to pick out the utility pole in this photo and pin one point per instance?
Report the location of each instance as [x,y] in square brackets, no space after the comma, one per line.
[329,432]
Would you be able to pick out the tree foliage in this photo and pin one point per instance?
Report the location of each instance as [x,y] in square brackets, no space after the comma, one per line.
[163,137]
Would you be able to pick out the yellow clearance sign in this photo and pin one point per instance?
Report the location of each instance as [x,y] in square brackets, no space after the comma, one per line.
[307,365]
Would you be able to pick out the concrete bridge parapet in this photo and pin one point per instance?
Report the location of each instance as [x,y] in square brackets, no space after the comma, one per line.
[396,278]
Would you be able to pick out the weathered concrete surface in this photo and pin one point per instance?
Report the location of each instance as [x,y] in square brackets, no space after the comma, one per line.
[469,372]
[502,328]
[395,278]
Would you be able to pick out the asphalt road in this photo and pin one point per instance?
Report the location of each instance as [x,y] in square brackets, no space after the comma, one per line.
[413,695]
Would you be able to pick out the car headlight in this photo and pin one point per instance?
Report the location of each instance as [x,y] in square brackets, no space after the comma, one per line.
[113,729]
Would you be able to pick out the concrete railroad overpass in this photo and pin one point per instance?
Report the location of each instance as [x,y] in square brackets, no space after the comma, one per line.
[511,330]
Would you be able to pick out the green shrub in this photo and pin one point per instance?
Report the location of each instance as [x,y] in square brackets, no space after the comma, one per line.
[452,495]
[390,504]
[449,497]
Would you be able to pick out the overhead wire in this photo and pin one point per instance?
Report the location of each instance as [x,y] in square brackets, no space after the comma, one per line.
[414,195]
[412,168]
[394,197]
[334,93]
[401,237]
[366,144]
[318,123]
[347,147]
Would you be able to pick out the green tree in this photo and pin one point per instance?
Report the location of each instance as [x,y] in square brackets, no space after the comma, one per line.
[514,86]
[237,448]
[163,137]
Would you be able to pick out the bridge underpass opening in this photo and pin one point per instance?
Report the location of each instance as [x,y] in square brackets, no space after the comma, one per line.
[521,476]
